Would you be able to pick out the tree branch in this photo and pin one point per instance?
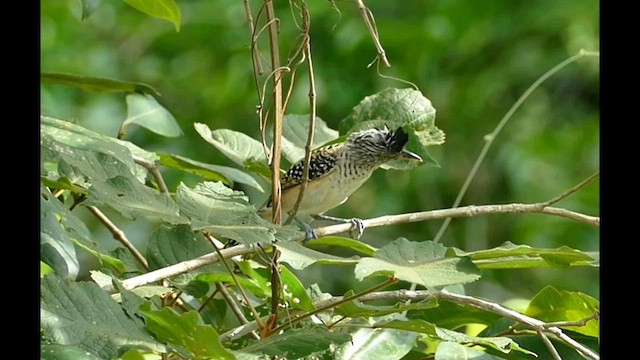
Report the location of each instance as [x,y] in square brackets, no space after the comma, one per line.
[153,169]
[119,235]
[466,211]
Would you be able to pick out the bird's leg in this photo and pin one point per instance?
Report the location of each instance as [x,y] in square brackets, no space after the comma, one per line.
[356,223]
[309,232]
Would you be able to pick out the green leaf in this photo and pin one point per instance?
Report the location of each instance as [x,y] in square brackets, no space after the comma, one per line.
[95,84]
[344,242]
[45,269]
[249,284]
[297,343]
[452,316]
[88,7]
[502,344]
[62,183]
[89,153]
[237,146]
[161,9]
[395,108]
[356,308]
[448,350]
[295,130]
[56,246]
[144,110]
[170,245]
[116,264]
[551,305]
[423,263]
[185,331]
[226,174]
[294,292]
[132,199]
[82,315]
[299,256]
[512,256]
[227,213]
[367,344]
[65,352]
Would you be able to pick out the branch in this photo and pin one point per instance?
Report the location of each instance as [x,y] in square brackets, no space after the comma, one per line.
[466,211]
[278,113]
[153,169]
[490,138]
[235,308]
[119,235]
[369,21]
[312,116]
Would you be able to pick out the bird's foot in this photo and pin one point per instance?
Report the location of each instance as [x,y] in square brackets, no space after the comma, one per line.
[309,232]
[357,225]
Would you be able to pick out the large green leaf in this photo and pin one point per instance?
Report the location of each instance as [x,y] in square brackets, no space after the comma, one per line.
[299,256]
[394,108]
[235,145]
[186,331]
[551,305]
[423,263]
[227,213]
[343,242]
[88,153]
[81,314]
[65,352]
[144,110]
[58,228]
[295,130]
[132,199]
[374,344]
[502,344]
[161,9]
[170,245]
[210,172]
[452,316]
[297,343]
[96,84]
[512,256]
[448,350]
[248,284]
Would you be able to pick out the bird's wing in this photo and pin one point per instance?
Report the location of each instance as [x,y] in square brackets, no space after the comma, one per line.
[322,162]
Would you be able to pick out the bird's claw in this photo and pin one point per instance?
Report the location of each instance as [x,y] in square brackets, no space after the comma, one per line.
[356,225]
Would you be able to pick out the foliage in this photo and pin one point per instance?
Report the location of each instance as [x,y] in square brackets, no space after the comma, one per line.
[331,297]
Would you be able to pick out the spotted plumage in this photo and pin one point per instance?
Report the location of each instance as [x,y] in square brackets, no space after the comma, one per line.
[337,170]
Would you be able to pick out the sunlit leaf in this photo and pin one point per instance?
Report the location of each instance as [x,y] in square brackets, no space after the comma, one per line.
[422,263]
[208,171]
[96,84]
[83,315]
[144,110]
[237,146]
[161,9]
[551,305]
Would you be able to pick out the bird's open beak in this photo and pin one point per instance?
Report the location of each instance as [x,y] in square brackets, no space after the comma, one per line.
[408,155]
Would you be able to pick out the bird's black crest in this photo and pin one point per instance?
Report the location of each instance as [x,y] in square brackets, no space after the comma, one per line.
[396,140]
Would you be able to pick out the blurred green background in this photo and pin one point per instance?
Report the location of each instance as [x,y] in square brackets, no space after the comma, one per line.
[472,59]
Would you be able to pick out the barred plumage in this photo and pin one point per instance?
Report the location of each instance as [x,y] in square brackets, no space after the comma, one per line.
[337,170]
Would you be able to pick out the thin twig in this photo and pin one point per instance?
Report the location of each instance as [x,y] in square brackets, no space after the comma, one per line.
[312,116]
[234,307]
[369,21]
[581,322]
[278,113]
[548,344]
[512,314]
[255,56]
[155,172]
[573,190]
[491,138]
[390,281]
[466,211]
[256,316]
[119,235]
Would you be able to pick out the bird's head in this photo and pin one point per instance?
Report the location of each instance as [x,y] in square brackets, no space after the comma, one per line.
[377,146]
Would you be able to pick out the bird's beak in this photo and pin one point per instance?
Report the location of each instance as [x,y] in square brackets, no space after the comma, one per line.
[408,155]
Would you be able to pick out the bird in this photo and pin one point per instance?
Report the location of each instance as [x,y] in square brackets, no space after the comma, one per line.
[338,170]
